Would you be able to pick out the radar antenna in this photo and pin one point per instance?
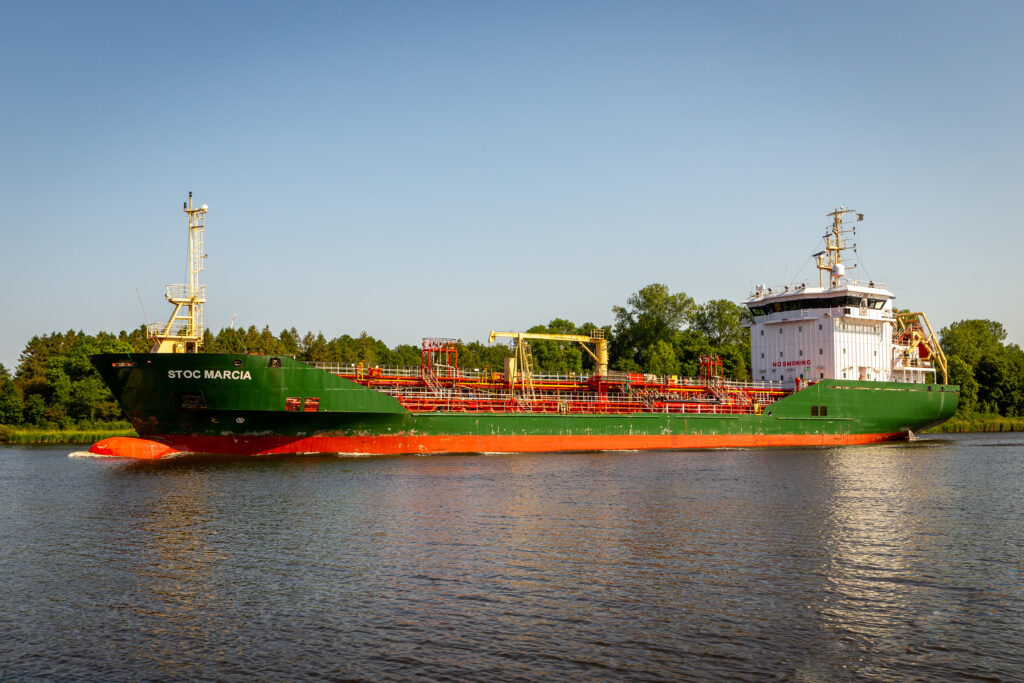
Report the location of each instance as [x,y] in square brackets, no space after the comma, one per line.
[830,260]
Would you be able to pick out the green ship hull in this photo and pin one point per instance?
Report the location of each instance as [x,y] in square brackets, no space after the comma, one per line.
[245,404]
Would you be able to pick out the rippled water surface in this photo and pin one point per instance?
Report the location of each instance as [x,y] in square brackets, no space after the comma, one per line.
[882,562]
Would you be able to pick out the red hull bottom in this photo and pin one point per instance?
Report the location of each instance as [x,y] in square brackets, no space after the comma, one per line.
[166,445]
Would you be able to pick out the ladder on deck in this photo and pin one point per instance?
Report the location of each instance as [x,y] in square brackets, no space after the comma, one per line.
[718,392]
[432,382]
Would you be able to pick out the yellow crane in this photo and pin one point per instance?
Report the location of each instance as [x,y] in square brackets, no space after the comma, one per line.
[915,331]
[596,337]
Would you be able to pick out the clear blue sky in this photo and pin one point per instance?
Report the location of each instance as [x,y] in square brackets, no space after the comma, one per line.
[439,168]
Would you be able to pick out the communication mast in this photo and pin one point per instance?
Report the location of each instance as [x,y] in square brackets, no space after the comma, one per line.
[183,333]
[830,260]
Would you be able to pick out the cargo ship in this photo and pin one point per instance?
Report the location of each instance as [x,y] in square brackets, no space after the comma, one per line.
[832,363]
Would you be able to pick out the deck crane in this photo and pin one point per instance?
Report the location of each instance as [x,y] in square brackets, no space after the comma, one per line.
[913,331]
[596,337]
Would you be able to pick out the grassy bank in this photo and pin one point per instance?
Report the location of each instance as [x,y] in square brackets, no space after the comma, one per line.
[36,435]
[981,423]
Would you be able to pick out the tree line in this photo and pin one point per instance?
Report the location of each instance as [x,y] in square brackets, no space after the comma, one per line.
[657,330]
[990,372]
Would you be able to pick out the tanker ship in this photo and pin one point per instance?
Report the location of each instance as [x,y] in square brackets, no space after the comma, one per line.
[832,363]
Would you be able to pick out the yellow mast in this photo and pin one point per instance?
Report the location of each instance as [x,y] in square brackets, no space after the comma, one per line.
[830,260]
[183,333]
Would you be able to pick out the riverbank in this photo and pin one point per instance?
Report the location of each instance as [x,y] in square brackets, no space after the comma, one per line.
[980,423]
[29,435]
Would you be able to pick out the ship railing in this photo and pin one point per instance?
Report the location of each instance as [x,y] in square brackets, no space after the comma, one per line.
[363,370]
[795,287]
[866,283]
[444,373]
[182,292]
[423,399]
[561,377]
[914,363]
[178,328]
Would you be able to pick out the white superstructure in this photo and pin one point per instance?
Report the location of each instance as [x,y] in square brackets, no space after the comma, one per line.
[840,329]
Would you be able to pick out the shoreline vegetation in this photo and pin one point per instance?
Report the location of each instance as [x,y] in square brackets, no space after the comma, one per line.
[55,396]
[29,436]
[979,424]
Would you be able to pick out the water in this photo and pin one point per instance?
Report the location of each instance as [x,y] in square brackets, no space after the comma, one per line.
[884,562]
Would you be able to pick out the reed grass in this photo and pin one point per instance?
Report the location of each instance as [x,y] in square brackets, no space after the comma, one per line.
[25,435]
[980,423]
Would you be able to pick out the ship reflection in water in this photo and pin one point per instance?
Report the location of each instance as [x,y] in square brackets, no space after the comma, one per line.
[882,562]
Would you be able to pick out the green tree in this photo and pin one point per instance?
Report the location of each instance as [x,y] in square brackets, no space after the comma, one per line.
[651,315]
[689,347]
[722,322]
[314,348]
[230,340]
[35,410]
[972,339]
[963,374]
[210,342]
[268,343]
[10,399]
[1000,376]
[989,372]
[556,356]
[289,341]
[660,358]
[478,355]
[137,342]
[406,354]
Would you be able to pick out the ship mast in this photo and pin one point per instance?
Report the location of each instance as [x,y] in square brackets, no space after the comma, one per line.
[830,260]
[183,333]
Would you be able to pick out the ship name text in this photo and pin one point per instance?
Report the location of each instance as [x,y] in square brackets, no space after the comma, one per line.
[208,374]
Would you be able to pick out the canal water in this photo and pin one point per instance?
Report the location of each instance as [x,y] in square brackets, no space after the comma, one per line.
[887,562]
